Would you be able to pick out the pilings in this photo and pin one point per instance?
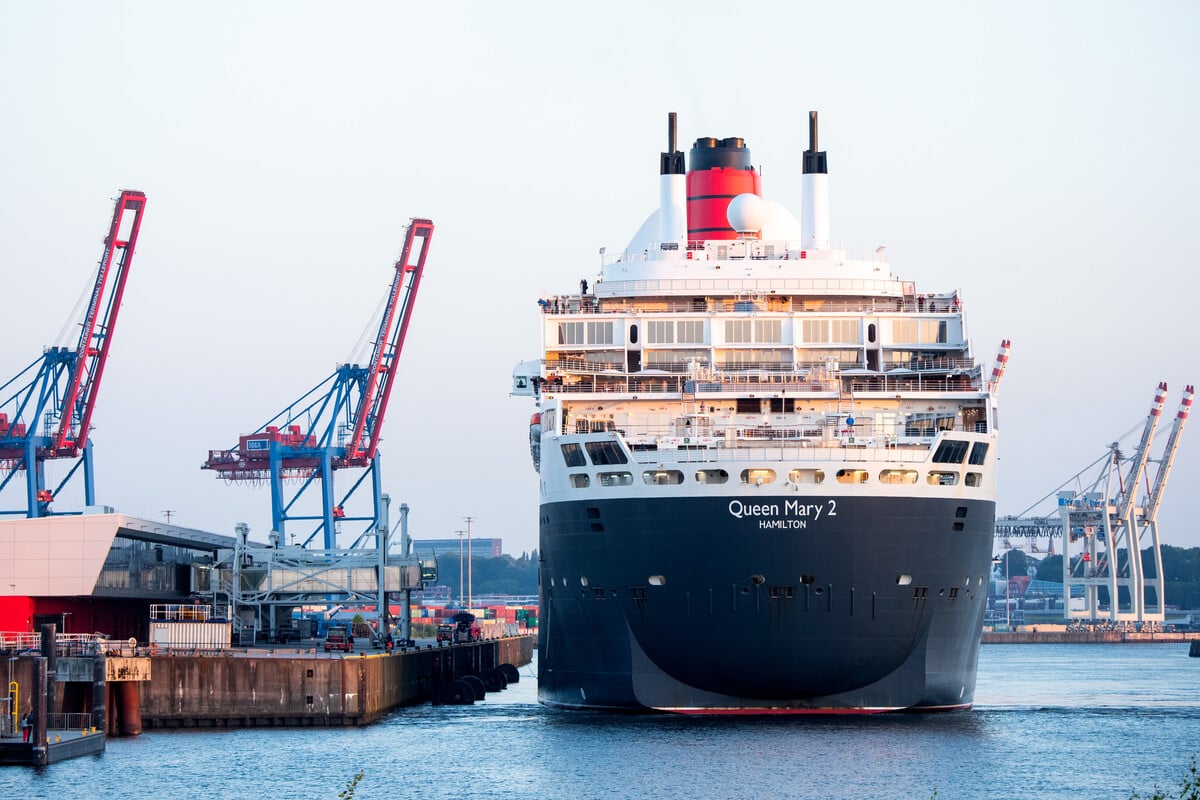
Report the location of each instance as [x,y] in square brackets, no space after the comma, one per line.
[253,689]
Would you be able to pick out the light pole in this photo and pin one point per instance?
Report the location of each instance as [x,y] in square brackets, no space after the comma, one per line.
[470,598]
[460,567]
[1007,613]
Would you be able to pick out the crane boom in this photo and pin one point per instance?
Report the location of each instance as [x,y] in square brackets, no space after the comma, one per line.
[1000,365]
[334,425]
[368,417]
[1142,453]
[1150,511]
[99,323]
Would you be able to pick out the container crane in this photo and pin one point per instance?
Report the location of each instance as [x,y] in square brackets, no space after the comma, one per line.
[1104,527]
[46,409]
[336,424]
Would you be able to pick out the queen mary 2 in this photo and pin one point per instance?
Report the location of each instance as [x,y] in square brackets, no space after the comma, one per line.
[767,464]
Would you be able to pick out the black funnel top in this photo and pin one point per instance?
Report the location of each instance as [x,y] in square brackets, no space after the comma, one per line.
[729,153]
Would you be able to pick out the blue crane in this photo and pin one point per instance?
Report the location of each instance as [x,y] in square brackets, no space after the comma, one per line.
[46,408]
[334,425]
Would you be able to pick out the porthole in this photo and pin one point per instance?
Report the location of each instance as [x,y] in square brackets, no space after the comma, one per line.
[758,580]
[583,581]
[662,477]
[712,476]
[852,476]
[903,580]
[758,476]
[798,476]
[657,580]
[898,476]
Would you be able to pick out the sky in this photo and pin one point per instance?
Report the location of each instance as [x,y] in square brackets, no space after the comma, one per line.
[1038,157]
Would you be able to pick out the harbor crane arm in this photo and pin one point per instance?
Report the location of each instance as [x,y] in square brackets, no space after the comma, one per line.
[99,323]
[1140,456]
[381,369]
[1000,365]
[1150,511]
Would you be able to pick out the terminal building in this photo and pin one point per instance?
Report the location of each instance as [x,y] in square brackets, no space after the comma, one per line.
[97,573]
[106,573]
[480,548]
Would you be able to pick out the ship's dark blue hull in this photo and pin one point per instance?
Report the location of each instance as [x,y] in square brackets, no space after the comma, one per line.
[787,604]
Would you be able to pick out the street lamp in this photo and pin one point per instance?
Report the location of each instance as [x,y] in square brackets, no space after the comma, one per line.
[460,567]
[1007,612]
[470,599]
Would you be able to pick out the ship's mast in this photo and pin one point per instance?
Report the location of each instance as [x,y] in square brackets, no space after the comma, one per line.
[815,219]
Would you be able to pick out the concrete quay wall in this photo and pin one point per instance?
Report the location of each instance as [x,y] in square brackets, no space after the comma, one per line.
[1061,636]
[248,689]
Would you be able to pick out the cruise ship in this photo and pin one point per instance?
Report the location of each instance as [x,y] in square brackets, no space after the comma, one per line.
[767,464]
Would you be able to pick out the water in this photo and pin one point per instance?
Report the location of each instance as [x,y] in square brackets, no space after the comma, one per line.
[1051,721]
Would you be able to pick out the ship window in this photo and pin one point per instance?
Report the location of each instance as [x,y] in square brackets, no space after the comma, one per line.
[570,333]
[768,330]
[662,477]
[806,476]
[573,455]
[871,333]
[925,425]
[814,331]
[852,476]
[749,405]
[583,581]
[690,331]
[600,333]
[615,478]
[898,476]
[633,334]
[737,331]
[978,453]
[950,451]
[758,477]
[657,580]
[843,330]
[580,481]
[712,476]
[942,478]
[973,479]
[605,453]
[660,332]
[903,580]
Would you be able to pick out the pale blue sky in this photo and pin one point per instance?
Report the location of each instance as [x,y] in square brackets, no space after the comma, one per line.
[1039,157]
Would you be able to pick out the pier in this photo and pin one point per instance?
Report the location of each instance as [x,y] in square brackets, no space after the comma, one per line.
[1059,634]
[259,688]
[76,691]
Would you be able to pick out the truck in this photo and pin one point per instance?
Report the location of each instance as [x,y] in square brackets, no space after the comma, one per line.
[338,637]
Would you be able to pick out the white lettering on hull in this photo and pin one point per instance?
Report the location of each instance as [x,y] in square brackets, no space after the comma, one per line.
[792,515]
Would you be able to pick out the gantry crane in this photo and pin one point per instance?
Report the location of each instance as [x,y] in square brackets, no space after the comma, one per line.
[334,425]
[46,409]
[1104,528]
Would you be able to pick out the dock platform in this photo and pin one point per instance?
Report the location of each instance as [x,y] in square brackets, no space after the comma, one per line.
[60,745]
